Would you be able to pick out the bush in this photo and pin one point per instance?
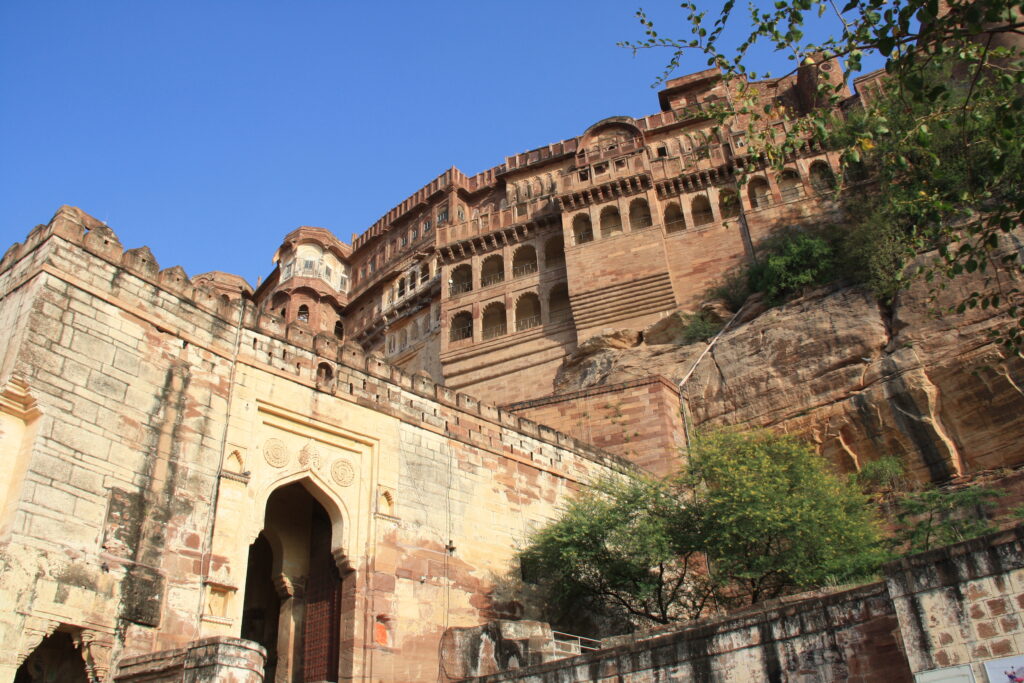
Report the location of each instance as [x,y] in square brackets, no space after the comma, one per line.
[791,262]
[754,515]
[699,328]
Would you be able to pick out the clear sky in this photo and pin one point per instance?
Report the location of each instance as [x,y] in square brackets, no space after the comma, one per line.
[208,130]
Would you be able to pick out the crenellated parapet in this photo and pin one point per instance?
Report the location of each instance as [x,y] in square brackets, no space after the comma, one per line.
[319,360]
[95,237]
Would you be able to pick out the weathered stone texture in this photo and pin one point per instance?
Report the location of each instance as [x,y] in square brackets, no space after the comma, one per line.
[959,605]
[140,422]
[860,381]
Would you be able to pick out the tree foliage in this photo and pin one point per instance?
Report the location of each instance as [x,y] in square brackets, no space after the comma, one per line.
[754,515]
[942,148]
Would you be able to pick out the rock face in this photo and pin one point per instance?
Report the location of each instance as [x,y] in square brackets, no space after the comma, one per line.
[859,380]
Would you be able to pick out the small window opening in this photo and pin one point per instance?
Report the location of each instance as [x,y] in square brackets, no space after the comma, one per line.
[304,313]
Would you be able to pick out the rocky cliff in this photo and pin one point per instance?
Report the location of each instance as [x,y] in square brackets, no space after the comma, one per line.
[858,379]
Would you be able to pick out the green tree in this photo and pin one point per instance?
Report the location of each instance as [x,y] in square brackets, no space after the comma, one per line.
[773,519]
[936,517]
[753,516]
[942,147]
[625,547]
[790,262]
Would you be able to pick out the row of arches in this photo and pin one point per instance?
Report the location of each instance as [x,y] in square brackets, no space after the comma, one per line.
[527,313]
[759,194]
[610,221]
[493,269]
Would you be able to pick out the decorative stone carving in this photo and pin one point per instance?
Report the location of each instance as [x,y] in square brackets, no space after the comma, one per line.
[342,472]
[95,648]
[275,452]
[309,456]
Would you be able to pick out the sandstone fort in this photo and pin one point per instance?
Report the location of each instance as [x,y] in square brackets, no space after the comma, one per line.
[325,477]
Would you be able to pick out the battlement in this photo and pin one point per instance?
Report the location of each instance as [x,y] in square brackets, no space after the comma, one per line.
[315,360]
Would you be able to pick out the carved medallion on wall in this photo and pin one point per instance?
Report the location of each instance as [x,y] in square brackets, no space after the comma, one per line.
[342,472]
[309,457]
[275,452]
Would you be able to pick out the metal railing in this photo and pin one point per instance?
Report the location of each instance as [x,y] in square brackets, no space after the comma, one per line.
[461,333]
[570,645]
[585,236]
[489,280]
[459,288]
[527,323]
[525,269]
[494,331]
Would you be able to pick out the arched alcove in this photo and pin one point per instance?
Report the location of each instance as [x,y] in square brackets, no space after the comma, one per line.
[494,320]
[294,587]
[790,185]
[759,193]
[674,219]
[611,221]
[639,215]
[461,280]
[492,271]
[728,204]
[524,261]
[700,209]
[527,312]
[582,229]
[822,178]
[461,327]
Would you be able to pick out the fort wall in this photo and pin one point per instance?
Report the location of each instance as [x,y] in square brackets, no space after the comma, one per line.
[155,420]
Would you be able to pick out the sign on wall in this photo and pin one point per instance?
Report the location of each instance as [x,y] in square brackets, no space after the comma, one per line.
[1006,670]
[952,674]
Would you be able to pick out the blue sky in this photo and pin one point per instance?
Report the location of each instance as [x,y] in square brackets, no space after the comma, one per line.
[208,130]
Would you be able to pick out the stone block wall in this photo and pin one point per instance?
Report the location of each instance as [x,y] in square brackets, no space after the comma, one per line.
[846,636]
[144,409]
[213,660]
[638,420]
[961,605]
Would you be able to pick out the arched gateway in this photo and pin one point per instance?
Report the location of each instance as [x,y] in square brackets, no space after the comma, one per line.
[294,589]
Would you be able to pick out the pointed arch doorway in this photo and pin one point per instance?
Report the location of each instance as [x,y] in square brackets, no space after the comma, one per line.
[295,595]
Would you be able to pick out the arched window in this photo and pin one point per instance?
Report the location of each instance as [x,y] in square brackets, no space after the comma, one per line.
[527,312]
[611,222]
[559,308]
[554,252]
[639,215]
[495,322]
[461,327]
[582,229]
[303,313]
[674,219]
[461,280]
[790,186]
[700,209]
[424,273]
[403,339]
[493,270]
[324,373]
[822,178]
[728,204]
[339,330]
[524,261]
[759,193]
